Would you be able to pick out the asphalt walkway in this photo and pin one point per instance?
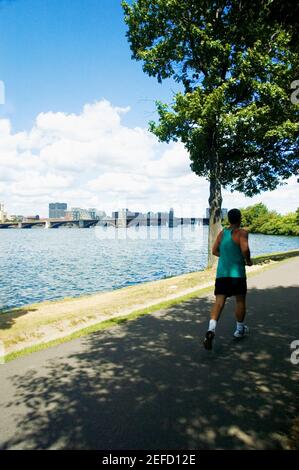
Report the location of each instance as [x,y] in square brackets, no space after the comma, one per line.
[149,384]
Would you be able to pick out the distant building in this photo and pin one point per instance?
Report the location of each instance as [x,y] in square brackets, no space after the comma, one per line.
[77,213]
[125,217]
[171,217]
[3,214]
[223,213]
[68,215]
[57,210]
[11,218]
[93,213]
[32,217]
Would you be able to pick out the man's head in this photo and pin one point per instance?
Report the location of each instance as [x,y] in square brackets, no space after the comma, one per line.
[234,217]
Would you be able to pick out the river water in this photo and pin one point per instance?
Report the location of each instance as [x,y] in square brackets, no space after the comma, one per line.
[41,264]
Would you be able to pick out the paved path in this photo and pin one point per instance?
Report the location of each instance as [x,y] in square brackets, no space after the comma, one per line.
[149,384]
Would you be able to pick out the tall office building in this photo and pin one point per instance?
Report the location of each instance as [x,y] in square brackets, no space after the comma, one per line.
[57,210]
[171,217]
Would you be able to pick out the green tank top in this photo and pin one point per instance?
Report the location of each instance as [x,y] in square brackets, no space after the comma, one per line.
[231,262]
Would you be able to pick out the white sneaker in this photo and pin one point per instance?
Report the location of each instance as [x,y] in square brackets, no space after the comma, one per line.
[238,334]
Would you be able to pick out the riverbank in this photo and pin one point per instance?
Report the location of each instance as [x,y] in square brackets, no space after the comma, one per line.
[37,326]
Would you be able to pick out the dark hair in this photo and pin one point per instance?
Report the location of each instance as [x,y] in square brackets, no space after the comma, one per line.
[234,216]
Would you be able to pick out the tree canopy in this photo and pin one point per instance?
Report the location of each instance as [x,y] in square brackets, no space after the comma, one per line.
[236,71]
[235,61]
[259,219]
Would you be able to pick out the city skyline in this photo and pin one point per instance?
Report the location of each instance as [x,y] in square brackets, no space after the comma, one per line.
[62,216]
[60,210]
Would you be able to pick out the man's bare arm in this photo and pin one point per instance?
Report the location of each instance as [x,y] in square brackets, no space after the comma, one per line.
[244,245]
[215,249]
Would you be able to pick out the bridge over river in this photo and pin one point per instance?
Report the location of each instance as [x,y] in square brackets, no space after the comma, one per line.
[49,223]
[128,221]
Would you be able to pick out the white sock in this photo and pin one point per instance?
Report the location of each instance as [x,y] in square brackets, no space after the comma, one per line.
[212,325]
[240,325]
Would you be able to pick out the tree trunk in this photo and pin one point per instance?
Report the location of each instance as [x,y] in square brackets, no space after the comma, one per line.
[215,201]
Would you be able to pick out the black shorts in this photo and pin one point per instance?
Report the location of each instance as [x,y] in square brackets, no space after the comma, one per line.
[229,286]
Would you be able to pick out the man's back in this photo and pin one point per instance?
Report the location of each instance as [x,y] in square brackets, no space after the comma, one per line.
[231,260]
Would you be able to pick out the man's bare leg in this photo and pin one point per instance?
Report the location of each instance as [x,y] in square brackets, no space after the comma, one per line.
[240,312]
[218,307]
[214,317]
[240,307]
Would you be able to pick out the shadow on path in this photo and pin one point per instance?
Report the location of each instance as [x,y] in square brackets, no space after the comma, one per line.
[149,384]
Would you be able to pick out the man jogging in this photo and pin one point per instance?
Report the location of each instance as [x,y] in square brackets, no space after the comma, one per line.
[231,246]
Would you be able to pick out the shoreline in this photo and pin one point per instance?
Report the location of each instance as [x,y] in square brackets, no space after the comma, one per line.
[38,326]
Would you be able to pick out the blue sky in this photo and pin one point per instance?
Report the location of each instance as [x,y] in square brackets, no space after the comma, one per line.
[60,54]
[74,124]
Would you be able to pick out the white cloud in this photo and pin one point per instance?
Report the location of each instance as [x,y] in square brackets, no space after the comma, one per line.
[92,160]
[174,163]
[283,199]
[35,184]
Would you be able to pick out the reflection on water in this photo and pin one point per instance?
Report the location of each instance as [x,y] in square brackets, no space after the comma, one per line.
[40,264]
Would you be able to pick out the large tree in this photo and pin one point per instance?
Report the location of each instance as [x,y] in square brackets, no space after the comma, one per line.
[236,66]
[286,14]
